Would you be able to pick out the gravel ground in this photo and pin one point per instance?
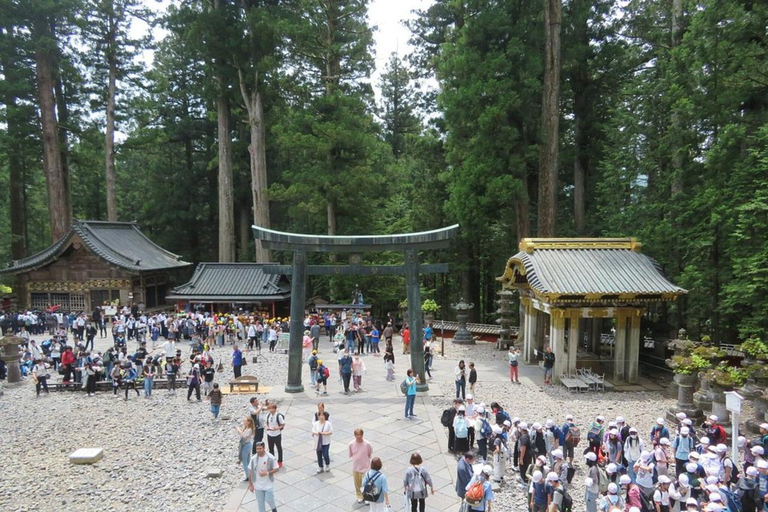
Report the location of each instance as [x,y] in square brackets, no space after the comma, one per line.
[157,450]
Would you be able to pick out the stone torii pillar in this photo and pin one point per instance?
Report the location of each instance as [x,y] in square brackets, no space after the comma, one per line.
[557,342]
[573,339]
[620,348]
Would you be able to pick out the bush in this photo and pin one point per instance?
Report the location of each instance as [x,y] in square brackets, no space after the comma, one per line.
[755,348]
[727,376]
[688,365]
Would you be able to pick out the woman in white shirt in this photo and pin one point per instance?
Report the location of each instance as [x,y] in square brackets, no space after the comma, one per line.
[40,376]
[321,433]
[460,374]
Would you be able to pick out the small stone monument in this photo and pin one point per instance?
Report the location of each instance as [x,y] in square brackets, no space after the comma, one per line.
[86,456]
[9,348]
[463,336]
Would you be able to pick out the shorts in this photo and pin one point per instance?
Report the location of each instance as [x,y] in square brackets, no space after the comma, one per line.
[548,373]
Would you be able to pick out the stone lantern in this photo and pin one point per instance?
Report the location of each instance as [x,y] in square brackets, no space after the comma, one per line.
[463,336]
[9,348]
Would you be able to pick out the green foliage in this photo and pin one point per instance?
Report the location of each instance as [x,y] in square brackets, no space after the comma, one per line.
[689,365]
[756,348]
[708,353]
[429,306]
[727,376]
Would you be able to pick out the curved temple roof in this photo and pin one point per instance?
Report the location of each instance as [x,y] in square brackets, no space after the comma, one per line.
[118,243]
[231,282]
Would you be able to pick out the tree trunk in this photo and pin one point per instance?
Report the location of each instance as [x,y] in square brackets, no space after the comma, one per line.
[258,153]
[550,120]
[109,143]
[19,242]
[522,210]
[677,155]
[245,229]
[579,181]
[226,205]
[62,111]
[331,211]
[57,184]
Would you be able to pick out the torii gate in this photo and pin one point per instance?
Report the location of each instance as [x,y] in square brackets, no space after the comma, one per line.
[408,243]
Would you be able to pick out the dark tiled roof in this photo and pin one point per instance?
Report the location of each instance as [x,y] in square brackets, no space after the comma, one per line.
[118,243]
[594,271]
[473,328]
[232,282]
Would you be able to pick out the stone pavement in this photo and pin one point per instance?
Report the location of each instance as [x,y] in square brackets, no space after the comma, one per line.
[379,410]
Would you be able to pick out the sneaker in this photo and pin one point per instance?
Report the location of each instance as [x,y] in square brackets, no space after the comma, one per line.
[360,501]
[279,464]
[327,469]
[319,470]
[365,503]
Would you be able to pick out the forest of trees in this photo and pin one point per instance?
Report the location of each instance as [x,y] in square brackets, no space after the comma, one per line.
[645,118]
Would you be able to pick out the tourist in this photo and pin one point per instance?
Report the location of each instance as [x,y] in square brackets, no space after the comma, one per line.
[461,431]
[345,369]
[237,361]
[612,500]
[499,458]
[358,370]
[524,449]
[682,446]
[537,492]
[172,369]
[272,336]
[321,411]
[246,443]
[484,505]
[410,395]
[208,374]
[662,456]
[713,430]
[632,492]
[321,377]
[405,334]
[275,423]
[513,356]
[460,379]
[255,412]
[314,331]
[193,382]
[428,359]
[464,473]
[644,473]
[472,377]
[481,430]
[91,372]
[561,467]
[40,376]
[415,483]
[312,363]
[549,365]
[215,398]
[322,431]
[633,448]
[661,494]
[376,338]
[389,365]
[558,492]
[388,333]
[658,432]
[149,378]
[129,378]
[379,484]
[591,482]
[68,362]
[360,451]
[570,435]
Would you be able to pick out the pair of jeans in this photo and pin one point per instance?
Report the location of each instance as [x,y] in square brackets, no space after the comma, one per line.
[410,400]
[42,382]
[461,388]
[149,383]
[346,377]
[267,496]
[323,454]
[245,455]
[215,410]
[91,385]
[195,386]
[237,369]
[419,504]
[275,443]
[312,376]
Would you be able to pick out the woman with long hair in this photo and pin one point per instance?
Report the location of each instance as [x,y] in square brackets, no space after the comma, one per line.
[246,443]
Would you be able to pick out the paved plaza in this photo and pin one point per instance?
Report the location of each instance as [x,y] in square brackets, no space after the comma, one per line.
[379,410]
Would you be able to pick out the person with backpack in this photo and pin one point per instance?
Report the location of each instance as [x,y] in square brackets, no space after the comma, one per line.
[661,494]
[524,450]
[322,431]
[312,363]
[644,473]
[129,378]
[661,456]
[561,500]
[595,435]
[479,495]
[415,483]
[461,431]
[570,436]
[549,365]
[460,378]
[261,477]
[633,448]
[274,425]
[680,492]
[632,495]
[345,369]
[729,472]
[193,382]
[682,446]
[484,432]
[464,473]
[748,490]
[321,377]
[563,470]
[375,488]
[499,459]
[360,451]
[714,431]
[612,499]
[658,432]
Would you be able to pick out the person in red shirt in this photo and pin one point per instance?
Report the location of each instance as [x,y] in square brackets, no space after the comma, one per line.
[406,335]
[68,361]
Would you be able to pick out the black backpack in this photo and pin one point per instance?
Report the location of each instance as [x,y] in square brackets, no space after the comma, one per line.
[567,504]
[370,492]
[447,417]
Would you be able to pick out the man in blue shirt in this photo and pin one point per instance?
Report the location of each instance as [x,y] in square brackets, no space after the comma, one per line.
[464,473]
[237,361]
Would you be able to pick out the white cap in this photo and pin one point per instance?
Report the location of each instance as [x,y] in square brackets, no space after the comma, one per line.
[625,480]
[713,417]
[537,476]
[523,426]
[664,479]
[569,417]
[611,468]
[683,480]
[634,509]
[764,426]
[751,471]
[197,366]
[721,448]
[691,501]
[558,454]
[480,410]
[645,454]
[507,423]
[552,477]
[613,432]
[687,422]
[632,429]
[680,416]
[757,450]
[488,470]
[462,408]
[691,467]
[712,481]
[613,488]
[694,455]
[620,419]
[591,456]
[762,464]
[664,441]
[470,397]
[685,431]
[550,423]
[742,441]
[536,426]
[611,424]
[496,429]
[588,482]
[704,440]
[600,418]
[660,420]
[542,458]
[714,507]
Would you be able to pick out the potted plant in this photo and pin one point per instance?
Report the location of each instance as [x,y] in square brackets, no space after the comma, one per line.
[754,350]
[429,307]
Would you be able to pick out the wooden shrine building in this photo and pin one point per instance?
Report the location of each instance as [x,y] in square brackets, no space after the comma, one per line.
[228,286]
[576,282]
[95,263]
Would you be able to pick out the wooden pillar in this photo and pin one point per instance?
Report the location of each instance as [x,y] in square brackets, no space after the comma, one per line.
[529,333]
[573,340]
[298,298]
[633,346]
[557,342]
[413,293]
[620,349]
[595,330]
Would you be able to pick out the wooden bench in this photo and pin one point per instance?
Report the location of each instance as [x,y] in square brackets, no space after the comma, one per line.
[249,382]
[106,385]
[573,383]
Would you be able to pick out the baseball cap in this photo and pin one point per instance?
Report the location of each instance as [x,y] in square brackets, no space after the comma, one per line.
[620,419]
[552,477]
[685,431]
[588,482]
[692,501]
[721,448]
[625,480]
[757,450]
[550,423]
[752,471]
[613,488]
[704,440]
[611,468]
[764,426]
[591,456]
[664,441]
[664,479]
[537,476]
[762,464]
[683,480]
[488,470]
[569,417]
[558,454]
[660,420]
[691,467]
[713,417]
[680,416]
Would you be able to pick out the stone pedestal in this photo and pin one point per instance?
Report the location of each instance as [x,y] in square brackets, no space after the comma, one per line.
[9,347]
[685,387]
[463,336]
[718,406]
[702,399]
